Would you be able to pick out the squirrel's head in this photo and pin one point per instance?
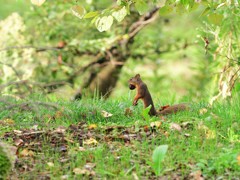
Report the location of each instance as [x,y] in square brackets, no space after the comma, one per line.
[134,81]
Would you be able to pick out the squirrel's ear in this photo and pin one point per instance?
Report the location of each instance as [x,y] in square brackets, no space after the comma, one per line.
[137,76]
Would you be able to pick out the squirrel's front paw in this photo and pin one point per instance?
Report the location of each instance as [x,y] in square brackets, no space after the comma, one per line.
[135,103]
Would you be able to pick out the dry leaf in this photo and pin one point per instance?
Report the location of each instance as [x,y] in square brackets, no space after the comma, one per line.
[175,126]
[83,171]
[17,132]
[156,124]
[7,121]
[203,111]
[60,130]
[26,152]
[65,177]
[128,112]
[18,142]
[90,141]
[89,166]
[197,175]
[146,128]
[58,114]
[92,126]
[210,134]
[50,164]
[106,114]
[238,159]
[79,171]
[81,149]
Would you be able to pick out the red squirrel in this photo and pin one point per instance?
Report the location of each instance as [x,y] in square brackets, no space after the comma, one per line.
[144,94]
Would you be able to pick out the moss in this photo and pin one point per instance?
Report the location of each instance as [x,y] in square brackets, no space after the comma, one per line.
[5,164]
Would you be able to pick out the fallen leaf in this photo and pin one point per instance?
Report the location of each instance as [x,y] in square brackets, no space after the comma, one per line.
[79,171]
[106,114]
[83,171]
[187,125]
[238,159]
[146,128]
[18,142]
[26,153]
[90,141]
[60,130]
[6,122]
[81,149]
[197,175]
[187,135]
[58,114]
[203,111]
[175,126]
[65,177]
[156,124]
[17,132]
[135,176]
[210,134]
[128,112]
[92,126]
[89,166]
[50,164]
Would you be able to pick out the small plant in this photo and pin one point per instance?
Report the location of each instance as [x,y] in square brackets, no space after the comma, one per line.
[145,113]
[157,157]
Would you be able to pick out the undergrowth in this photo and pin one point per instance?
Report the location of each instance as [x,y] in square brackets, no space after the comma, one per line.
[76,140]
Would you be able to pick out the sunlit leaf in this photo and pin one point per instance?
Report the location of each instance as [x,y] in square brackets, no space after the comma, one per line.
[215,18]
[106,114]
[161,3]
[50,164]
[165,10]
[90,141]
[206,11]
[104,23]
[203,111]
[38,2]
[238,159]
[145,113]
[141,6]
[175,127]
[120,14]
[156,124]
[26,152]
[91,14]
[78,11]
[92,126]
[157,157]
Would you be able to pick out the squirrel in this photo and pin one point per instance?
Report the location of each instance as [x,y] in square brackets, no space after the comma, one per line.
[144,94]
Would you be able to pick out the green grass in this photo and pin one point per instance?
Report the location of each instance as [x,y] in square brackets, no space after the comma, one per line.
[209,142]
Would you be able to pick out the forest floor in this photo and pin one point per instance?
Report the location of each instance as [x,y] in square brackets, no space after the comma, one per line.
[112,140]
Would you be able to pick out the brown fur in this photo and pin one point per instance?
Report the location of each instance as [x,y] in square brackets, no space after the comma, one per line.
[144,94]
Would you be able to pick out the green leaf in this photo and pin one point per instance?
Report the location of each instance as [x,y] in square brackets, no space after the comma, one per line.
[104,23]
[78,11]
[145,112]
[215,18]
[141,6]
[165,10]
[206,11]
[157,157]
[91,14]
[120,14]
